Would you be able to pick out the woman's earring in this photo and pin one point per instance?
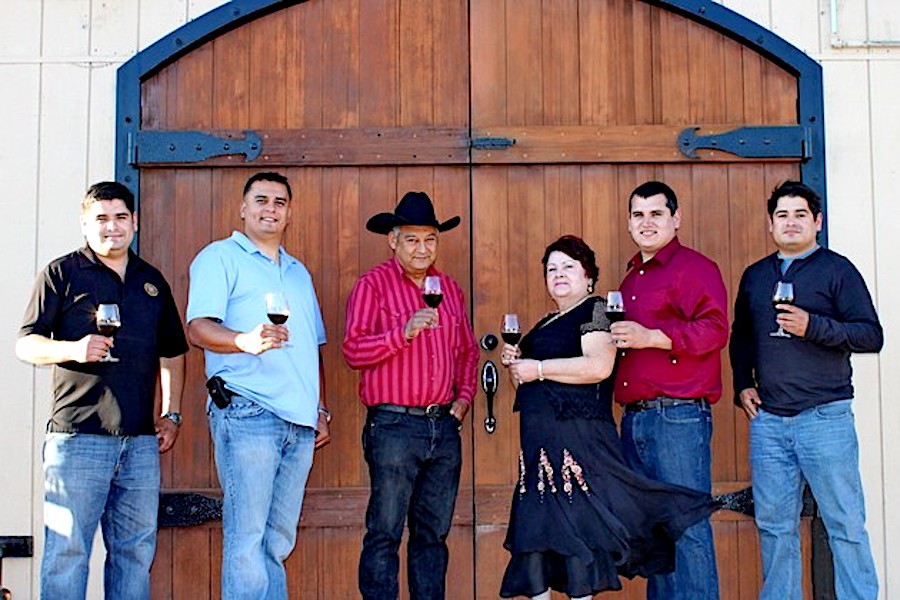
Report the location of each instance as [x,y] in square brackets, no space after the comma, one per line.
[590,288]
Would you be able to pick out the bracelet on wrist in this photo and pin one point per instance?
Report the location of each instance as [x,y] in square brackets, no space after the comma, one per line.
[540,369]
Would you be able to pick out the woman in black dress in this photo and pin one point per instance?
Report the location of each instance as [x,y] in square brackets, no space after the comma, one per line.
[580,517]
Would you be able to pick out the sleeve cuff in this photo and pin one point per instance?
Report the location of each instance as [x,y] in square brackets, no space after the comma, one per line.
[397,339]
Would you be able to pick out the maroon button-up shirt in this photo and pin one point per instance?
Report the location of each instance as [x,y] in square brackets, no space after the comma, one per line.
[680,292]
[436,367]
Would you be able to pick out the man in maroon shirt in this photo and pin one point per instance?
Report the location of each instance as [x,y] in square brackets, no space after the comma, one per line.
[417,378]
[669,373]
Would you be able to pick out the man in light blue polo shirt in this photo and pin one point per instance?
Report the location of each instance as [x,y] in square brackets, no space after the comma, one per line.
[266,415]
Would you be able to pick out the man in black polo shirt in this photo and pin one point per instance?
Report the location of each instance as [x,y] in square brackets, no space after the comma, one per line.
[101,452]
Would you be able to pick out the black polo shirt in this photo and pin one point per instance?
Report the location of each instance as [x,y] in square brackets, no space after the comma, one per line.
[113,398]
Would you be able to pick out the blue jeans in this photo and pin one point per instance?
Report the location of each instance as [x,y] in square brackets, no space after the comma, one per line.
[108,480]
[671,444]
[820,446]
[414,466]
[263,463]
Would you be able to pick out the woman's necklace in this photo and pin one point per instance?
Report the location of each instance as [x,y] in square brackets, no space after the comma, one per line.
[562,312]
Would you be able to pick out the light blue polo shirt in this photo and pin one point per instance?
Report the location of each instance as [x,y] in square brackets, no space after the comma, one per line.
[229,282]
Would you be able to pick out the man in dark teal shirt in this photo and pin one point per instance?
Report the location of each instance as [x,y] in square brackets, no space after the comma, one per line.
[797,392]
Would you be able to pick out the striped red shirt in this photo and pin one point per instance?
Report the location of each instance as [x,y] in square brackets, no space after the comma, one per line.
[437,367]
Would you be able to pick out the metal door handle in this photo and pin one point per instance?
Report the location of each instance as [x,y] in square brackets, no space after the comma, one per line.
[489,381]
[489,341]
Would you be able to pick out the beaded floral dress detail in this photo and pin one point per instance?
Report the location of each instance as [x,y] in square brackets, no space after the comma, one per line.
[571,472]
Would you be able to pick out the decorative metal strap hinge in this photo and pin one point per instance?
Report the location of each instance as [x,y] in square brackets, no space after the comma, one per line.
[166,147]
[787,141]
[491,143]
[185,509]
[18,546]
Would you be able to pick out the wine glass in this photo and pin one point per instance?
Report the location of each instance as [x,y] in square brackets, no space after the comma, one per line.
[615,306]
[783,294]
[277,309]
[108,323]
[432,294]
[509,329]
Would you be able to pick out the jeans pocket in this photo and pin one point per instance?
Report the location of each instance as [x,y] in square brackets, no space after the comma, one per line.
[380,419]
[242,409]
[835,410]
[54,439]
[685,414]
[383,418]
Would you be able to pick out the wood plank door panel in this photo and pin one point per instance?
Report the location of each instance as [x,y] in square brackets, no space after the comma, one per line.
[587,90]
[321,82]
[328,233]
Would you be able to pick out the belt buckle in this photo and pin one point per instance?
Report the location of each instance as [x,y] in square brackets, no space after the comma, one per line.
[433,411]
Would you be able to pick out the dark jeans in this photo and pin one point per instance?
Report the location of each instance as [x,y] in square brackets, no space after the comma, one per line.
[671,444]
[414,466]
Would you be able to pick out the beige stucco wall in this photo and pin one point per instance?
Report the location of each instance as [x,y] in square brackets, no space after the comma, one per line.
[58,60]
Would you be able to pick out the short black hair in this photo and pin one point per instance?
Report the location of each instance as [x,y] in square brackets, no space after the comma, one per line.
[795,188]
[652,188]
[268,176]
[577,248]
[107,190]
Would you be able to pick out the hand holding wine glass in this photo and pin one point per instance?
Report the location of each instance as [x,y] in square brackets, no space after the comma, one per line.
[277,309]
[783,294]
[108,323]
[432,294]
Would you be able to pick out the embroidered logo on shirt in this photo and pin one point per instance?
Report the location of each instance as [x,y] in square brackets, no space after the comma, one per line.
[151,290]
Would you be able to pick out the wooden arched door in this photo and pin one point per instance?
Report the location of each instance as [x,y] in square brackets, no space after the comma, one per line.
[530,119]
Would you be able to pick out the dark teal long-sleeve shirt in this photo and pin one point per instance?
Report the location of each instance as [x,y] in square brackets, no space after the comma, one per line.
[794,374]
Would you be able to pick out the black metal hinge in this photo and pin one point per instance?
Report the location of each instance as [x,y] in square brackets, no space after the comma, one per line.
[491,143]
[166,147]
[16,546]
[788,141]
[185,509]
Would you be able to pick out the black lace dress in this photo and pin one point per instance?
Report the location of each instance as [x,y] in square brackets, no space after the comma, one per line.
[580,517]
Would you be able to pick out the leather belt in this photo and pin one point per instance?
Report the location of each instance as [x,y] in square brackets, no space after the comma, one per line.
[661,402]
[432,411]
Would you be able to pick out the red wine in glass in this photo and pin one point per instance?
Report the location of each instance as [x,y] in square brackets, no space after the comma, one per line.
[615,306]
[108,329]
[278,318]
[108,323]
[433,299]
[509,329]
[277,309]
[511,337]
[783,294]
[615,316]
[432,293]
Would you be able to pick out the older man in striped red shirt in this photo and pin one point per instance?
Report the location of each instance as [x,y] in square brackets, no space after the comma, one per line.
[417,377]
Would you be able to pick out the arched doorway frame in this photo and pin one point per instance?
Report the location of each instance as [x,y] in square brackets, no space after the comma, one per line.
[804,140]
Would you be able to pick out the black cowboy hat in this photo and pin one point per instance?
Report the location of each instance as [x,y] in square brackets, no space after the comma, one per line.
[415,208]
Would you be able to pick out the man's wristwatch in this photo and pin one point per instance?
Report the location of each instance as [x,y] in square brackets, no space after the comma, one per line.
[175,417]
[325,413]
